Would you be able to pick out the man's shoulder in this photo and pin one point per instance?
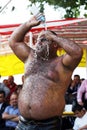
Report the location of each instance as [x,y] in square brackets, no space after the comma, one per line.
[8,107]
[1,85]
[5,104]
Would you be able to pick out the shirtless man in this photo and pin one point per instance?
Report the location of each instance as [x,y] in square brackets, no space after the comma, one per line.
[47,76]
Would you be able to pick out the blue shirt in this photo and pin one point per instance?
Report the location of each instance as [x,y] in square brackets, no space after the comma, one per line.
[13,111]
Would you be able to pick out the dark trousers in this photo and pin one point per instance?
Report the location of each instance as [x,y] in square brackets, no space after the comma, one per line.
[48,124]
[8,128]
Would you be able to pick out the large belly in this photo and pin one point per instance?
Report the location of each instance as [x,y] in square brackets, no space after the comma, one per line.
[40,98]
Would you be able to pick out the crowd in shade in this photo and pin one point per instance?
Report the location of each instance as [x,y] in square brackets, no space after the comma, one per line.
[9,112]
[76,95]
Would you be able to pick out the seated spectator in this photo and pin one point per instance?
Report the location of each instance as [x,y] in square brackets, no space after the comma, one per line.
[82,79]
[71,93]
[3,105]
[81,117]
[11,113]
[5,81]
[82,94]
[4,88]
[11,85]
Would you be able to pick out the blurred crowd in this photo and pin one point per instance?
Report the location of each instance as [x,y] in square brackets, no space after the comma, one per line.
[76,95]
[9,112]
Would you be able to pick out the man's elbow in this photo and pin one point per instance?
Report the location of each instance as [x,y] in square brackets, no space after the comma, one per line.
[79,53]
[11,42]
[3,116]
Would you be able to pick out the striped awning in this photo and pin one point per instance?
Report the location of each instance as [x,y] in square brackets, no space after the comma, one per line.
[74,29]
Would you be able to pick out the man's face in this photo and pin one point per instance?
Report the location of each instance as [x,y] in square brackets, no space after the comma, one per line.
[42,48]
[76,79]
[45,46]
[42,43]
[14,100]
[2,98]
[79,113]
[10,79]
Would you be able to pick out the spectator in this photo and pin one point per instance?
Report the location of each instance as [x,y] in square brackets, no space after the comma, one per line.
[5,81]
[4,88]
[71,93]
[75,84]
[81,117]
[3,105]
[11,85]
[82,79]
[82,94]
[11,113]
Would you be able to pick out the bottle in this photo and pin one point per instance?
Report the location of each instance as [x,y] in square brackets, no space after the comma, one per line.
[39,16]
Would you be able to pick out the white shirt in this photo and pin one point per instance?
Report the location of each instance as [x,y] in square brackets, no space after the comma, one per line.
[80,122]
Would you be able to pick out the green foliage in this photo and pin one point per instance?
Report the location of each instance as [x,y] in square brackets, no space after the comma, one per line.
[71,6]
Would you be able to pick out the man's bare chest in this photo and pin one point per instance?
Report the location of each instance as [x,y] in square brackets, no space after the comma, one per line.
[46,69]
[35,66]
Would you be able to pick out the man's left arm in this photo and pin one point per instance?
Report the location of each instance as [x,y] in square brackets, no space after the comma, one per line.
[73,51]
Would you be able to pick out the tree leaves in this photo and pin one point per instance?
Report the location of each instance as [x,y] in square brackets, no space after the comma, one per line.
[72,7]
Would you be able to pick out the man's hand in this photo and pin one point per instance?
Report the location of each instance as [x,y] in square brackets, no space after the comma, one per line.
[81,103]
[33,22]
[49,35]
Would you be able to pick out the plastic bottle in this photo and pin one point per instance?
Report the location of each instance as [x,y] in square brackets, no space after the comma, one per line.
[39,16]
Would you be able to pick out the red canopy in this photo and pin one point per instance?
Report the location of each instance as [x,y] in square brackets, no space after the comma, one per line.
[74,29]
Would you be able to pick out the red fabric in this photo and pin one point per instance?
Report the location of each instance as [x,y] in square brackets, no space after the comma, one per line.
[13,88]
[6,30]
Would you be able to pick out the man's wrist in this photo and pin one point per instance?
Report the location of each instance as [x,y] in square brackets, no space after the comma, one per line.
[28,24]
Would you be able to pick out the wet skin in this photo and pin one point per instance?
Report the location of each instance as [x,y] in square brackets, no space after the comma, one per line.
[43,92]
[47,76]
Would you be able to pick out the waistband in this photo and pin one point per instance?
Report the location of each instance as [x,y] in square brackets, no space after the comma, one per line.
[34,121]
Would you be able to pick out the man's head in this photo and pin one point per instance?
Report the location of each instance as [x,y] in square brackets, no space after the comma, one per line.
[77,78]
[78,110]
[5,81]
[2,96]
[14,99]
[45,46]
[10,79]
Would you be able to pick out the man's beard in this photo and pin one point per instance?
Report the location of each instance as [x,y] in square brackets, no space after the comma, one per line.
[43,51]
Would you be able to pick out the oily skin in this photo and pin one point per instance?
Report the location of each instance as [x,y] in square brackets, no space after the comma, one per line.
[47,76]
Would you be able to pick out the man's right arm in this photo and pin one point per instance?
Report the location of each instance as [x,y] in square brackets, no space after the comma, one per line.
[16,41]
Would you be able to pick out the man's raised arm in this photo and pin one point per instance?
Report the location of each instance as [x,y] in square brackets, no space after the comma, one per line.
[16,41]
[73,51]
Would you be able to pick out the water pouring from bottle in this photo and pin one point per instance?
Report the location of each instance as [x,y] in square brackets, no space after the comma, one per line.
[39,16]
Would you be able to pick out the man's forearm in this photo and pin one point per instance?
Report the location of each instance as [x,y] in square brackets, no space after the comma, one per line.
[69,46]
[16,119]
[19,33]
[8,116]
